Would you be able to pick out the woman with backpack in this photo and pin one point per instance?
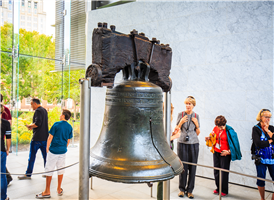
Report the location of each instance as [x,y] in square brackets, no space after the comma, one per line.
[226,147]
[188,146]
[262,136]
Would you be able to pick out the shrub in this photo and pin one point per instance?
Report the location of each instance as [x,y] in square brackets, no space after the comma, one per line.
[21,133]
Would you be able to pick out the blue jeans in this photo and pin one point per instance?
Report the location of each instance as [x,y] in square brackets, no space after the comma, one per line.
[4,183]
[261,173]
[34,146]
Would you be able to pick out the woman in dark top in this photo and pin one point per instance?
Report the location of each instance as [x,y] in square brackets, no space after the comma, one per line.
[262,135]
[5,133]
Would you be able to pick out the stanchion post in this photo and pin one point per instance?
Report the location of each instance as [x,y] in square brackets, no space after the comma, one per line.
[167,119]
[73,132]
[84,139]
[220,184]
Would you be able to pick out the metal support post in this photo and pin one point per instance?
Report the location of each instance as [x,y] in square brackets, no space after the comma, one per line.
[93,4]
[84,139]
[167,121]
[73,132]
[220,184]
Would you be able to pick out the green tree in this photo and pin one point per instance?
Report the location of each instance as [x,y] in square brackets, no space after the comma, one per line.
[31,70]
[6,61]
[36,78]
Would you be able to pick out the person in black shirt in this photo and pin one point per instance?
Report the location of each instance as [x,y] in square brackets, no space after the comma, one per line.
[263,137]
[40,136]
[5,132]
[6,115]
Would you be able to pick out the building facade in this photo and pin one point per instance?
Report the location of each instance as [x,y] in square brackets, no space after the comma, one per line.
[32,15]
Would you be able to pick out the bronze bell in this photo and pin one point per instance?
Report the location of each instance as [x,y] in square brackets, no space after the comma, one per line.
[132,147]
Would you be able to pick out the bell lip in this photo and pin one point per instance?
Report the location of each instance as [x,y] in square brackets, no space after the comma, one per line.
[125,179]
[129,179]
[179,170]
[175,165]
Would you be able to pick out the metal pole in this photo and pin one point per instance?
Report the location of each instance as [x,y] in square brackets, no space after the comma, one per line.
[84,139]
[93,4]
[220,184]
[167,119]
[91,183]
[73,132]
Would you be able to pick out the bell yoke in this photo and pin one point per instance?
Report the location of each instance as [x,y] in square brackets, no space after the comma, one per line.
[132,147]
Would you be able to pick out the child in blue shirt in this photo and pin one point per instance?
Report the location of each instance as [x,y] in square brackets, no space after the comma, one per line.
[58,140]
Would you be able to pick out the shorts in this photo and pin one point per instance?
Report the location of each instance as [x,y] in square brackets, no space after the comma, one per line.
[55,160]
[261,173]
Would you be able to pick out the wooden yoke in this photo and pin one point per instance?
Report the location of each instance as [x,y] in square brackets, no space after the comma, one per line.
[113,51]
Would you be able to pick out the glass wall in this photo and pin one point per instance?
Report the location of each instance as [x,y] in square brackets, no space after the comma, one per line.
[36,62]
[43,46]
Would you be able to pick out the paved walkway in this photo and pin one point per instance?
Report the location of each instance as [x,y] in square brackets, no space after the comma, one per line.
[102,189]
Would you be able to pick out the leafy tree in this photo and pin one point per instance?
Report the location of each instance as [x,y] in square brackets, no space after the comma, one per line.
[6,61]
[36,78]
[31,70]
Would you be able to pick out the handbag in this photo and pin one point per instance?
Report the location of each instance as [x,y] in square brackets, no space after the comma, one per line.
[211,142]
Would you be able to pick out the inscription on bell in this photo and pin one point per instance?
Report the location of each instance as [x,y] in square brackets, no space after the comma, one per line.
[134,101]
[135,95]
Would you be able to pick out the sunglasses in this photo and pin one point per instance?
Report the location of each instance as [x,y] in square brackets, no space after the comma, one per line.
[190,97]
[264,110]
[267,117]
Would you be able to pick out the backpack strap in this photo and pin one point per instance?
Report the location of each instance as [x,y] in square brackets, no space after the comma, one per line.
[183,113]
[264,136]
[259,128]
[195,115]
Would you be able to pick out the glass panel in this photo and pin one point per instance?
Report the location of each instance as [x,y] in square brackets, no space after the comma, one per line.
[66,63]
[37,80]
[6,28]
[6,78]
[15,73]
[77,39]
[34,23]
[31,72]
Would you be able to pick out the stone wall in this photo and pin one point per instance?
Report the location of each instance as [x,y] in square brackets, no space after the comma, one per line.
[222,55]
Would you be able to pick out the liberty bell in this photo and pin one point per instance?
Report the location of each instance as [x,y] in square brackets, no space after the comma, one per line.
[132,147]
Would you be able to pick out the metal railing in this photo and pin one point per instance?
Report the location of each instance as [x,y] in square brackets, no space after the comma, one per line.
[225,170]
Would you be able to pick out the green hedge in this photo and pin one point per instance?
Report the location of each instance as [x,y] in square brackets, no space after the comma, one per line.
[24,136]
